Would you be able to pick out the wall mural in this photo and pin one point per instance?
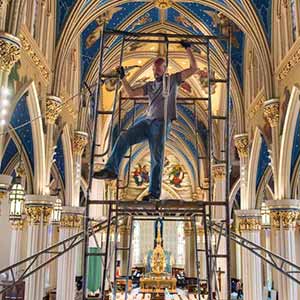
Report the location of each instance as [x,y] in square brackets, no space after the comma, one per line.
[174,173]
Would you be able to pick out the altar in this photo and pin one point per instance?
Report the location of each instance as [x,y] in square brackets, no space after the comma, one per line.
[158,280]
[158,284]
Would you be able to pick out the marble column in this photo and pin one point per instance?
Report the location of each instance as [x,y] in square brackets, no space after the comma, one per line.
[71,223]
[38,209]
[16,238]
[190,266]
[5,182]
[271,113]
[284,214]
[250,228]
[242,143]
[219,192]
[202,256]
[124,230]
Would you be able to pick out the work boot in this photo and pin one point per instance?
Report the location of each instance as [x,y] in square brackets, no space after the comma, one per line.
[150,197]
[105,174]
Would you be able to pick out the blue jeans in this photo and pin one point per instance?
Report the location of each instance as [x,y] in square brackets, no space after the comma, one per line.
[146,129]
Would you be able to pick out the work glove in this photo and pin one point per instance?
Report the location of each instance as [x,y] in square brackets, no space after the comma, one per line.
[185,44]
[121,72]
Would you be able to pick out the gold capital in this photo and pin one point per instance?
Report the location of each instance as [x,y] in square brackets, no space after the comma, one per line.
[250,223]
[271,112]
[219,171]
[17,224]
[284,218]
[79,142]
[241,142]
[38,214]
[9,51]
[53,108]
[71,220]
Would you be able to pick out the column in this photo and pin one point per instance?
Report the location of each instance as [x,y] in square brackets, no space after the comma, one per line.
[52,110]
[9,55]
[250,227]
[284,214]
[219,192]
[3,12]
[242,143]
[124,230]
[38,209]
[16,237]
[5,182]
[271,113]
[190,265]
[202,254]
[71,223]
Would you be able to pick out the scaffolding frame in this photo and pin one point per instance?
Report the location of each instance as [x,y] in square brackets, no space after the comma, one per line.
[162,209]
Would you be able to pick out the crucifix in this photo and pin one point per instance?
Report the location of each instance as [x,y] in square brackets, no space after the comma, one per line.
[220,273]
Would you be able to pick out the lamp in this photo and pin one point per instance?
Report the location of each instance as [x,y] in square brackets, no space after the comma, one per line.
[56,212]
[16,199]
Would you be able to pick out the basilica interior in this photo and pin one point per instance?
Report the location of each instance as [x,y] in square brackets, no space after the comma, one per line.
[234,154]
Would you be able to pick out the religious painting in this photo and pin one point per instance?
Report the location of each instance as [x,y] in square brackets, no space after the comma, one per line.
[185,22]
[141,21]
[140,175]
[176,176]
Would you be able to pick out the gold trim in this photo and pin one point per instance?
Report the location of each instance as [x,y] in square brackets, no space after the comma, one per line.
[249,223]
[36,214]
[287,218]
[79,142]
[71,221]
[271,112]
[9,51]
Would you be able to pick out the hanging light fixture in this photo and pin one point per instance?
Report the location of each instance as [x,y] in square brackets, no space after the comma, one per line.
[16,199]
[56,212]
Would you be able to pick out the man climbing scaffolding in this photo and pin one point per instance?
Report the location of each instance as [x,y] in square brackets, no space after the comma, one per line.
[152,126]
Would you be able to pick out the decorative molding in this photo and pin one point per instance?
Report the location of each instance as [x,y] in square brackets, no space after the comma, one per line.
[256,105]
[271,111]
[289,62]
[163,4]
[9,51]
[31,49]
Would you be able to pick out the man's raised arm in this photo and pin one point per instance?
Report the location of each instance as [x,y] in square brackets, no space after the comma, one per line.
[131,92]
[185,74]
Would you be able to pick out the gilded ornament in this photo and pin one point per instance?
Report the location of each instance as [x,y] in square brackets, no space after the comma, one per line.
[79,142]
[35,58]
[163,4]
[271,112]
[53,108]
[219,171]
[17,224]
[9,51]
[71,220]
[290,65]
[158,261]
[249,223]
[241,143]
[285,218]
[36,214]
